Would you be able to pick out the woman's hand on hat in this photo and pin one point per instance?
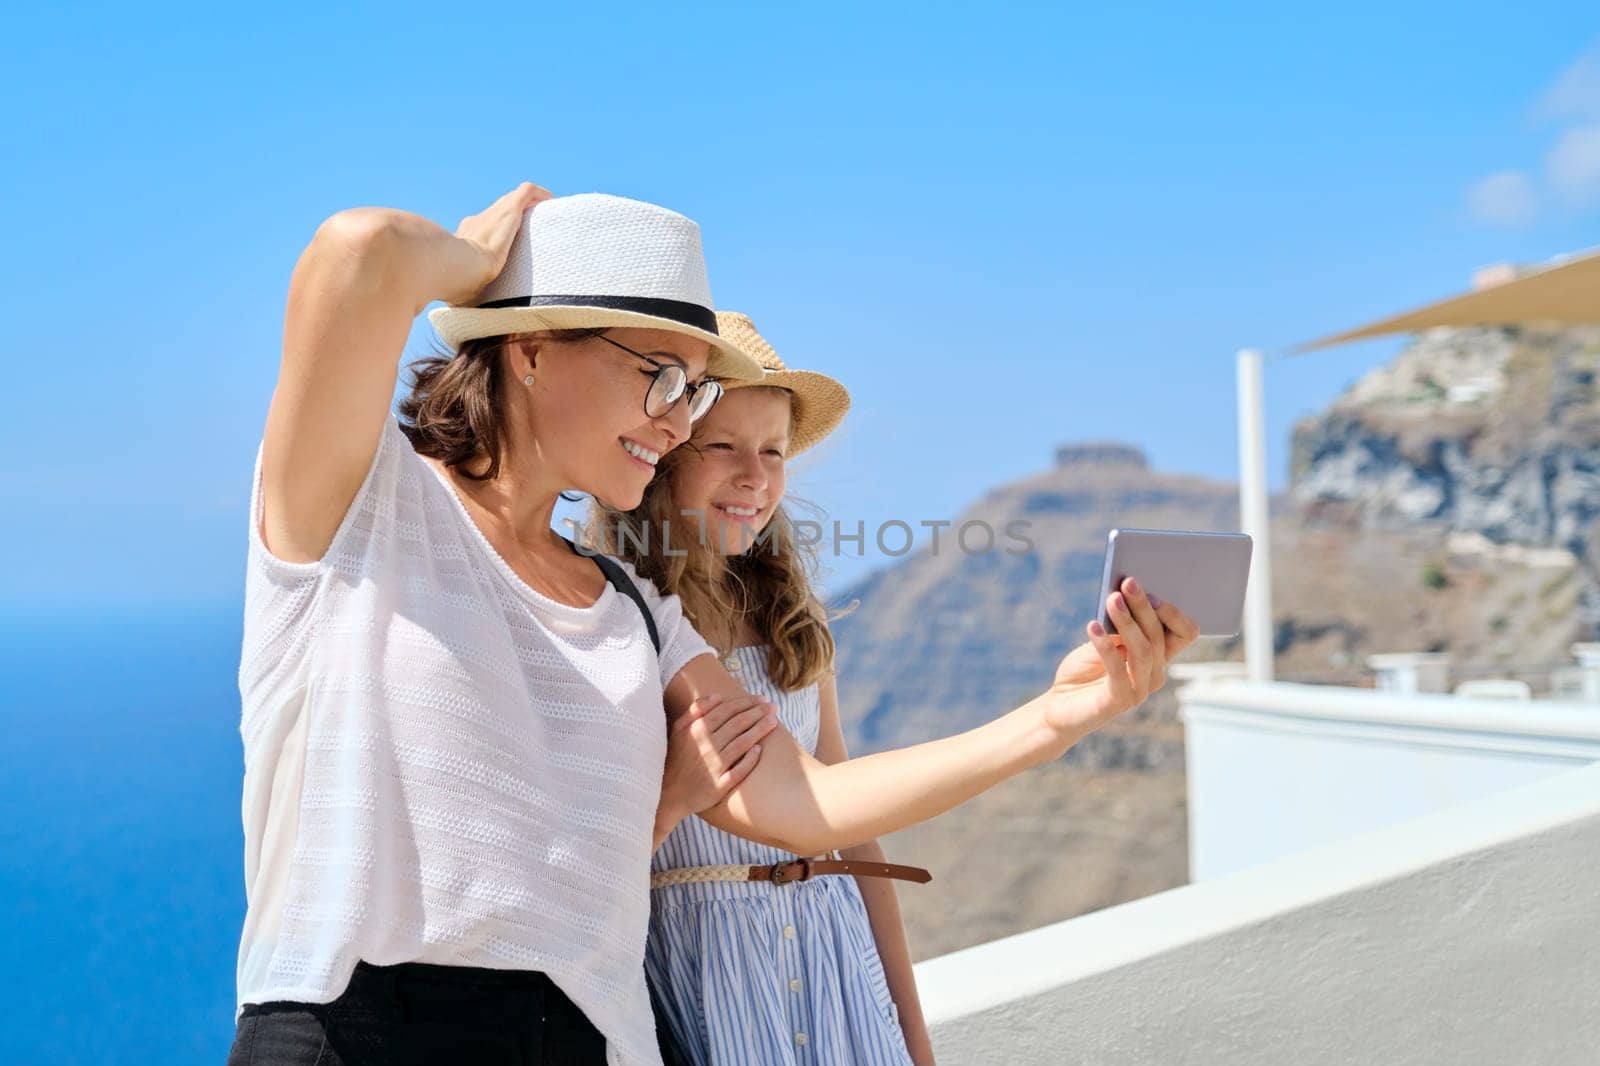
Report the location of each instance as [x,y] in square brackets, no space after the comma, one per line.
[1111,674]
[491,232]
[712,747]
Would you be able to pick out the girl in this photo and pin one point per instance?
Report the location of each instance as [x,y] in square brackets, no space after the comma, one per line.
[736,988]
[452,721]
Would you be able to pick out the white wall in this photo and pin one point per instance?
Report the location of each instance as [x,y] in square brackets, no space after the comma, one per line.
[1275,768]
[1467,936]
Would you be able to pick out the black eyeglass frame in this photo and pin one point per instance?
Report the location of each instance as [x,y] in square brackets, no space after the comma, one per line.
[661,377]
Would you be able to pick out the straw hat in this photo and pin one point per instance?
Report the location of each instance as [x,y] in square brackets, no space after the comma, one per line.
[817,401]
[593,261]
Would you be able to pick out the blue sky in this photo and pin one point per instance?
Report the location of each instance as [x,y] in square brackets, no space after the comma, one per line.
[1003,229]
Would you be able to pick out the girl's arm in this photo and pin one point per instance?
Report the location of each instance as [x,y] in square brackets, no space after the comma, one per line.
[365,275]
[878,893]
[710,749]
[793,801]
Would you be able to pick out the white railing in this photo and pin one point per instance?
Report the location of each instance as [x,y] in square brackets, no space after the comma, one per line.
[1470,935]
[1275,768]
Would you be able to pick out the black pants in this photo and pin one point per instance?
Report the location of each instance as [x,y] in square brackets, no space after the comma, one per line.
[418,1015]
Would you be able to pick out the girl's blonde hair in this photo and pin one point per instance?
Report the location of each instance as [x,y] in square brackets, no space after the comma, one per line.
[768,585]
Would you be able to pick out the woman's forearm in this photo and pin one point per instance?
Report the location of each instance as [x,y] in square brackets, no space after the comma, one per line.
[409,259]
[889,932]
[353,296]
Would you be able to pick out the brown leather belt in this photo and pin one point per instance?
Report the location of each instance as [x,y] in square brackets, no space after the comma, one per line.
[784,872]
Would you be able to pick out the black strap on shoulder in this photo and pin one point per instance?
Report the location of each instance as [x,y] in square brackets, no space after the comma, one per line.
[620,581]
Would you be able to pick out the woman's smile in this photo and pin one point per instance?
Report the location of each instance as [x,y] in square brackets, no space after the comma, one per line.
[644,457]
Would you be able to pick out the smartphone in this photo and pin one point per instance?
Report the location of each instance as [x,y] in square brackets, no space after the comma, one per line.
[1203,573]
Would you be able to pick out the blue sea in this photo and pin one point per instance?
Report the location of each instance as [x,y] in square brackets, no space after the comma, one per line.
[121,852]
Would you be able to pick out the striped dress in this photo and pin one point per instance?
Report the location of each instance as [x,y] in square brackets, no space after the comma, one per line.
[757,974]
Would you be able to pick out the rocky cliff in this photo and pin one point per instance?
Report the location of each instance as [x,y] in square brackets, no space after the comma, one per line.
[946,639]
[1494,432]
[1445,502]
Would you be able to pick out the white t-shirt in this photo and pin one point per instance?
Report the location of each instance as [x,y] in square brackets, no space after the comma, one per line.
[443,765]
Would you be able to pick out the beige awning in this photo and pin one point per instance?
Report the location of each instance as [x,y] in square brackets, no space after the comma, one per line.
[1567,293]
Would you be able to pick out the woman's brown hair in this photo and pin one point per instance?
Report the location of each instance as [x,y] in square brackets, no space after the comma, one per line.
[455,411]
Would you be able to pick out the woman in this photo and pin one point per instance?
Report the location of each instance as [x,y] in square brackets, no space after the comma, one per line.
[454,744]
[736,988]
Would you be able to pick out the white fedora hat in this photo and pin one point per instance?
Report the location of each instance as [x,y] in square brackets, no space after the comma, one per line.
[594,261]
[818,403]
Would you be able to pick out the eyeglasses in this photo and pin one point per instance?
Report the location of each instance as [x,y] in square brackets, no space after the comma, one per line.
[670,383]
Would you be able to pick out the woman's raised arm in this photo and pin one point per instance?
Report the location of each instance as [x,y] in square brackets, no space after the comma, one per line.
[365,275]
[795,802]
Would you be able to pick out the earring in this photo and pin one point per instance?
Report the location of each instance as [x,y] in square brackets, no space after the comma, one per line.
[528,380]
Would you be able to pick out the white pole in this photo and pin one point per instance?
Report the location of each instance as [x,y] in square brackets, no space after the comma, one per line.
[1254,518]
